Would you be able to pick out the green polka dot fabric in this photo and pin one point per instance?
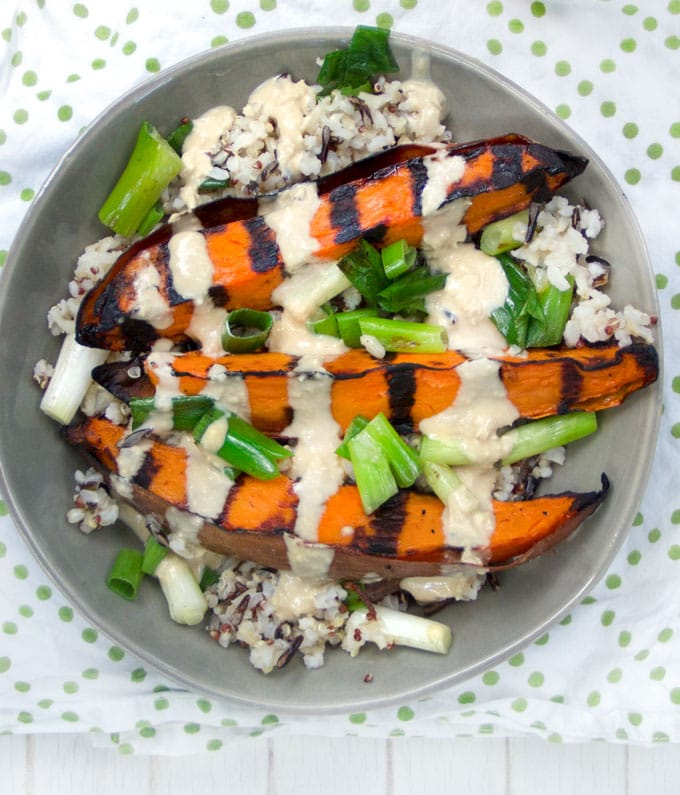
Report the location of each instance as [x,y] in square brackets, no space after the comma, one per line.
[610,669]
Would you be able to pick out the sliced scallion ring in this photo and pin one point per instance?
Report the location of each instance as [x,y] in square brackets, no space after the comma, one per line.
[246,330]
[126,574]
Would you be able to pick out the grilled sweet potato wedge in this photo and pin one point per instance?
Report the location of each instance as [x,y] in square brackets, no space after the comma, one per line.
[405,387]
[403,538]
[380,199]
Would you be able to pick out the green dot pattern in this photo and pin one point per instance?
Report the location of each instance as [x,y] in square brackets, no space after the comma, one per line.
[615,95]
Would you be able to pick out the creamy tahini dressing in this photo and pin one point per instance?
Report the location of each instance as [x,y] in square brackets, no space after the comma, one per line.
[292,336]
[442,172]
[150,304]
[215,434]
[312,561]
[206,326]
[190,265]
[290,215]
[461,585]
[476,285]
[167,386]
[130,459]
[295,596]
[229,390]
[207,485]
[316,469]
[481,408]
[203,140]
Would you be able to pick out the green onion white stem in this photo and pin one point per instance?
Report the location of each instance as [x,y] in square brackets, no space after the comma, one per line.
[179,585]
[183,594]
[71,379]
[404,629]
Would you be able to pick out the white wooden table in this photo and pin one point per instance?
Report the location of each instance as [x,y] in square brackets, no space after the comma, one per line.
[70,765]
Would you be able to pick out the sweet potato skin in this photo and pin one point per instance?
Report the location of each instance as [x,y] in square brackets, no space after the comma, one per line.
[403,538]
[379,199]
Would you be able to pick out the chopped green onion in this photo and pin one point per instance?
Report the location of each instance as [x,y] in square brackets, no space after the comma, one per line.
[126,574]
[443,451]
[212,184]
[324,321]
[348,324]
[556,306]
[179,135]
[70,380]
[522,304]
[152,165]
[403,459]
[153,217]
[239,444]
[208,577]
[246,330]
[381,459]
[401,336]
[497,236]
[353,601]
[363,267]
[186,410]
[442,479]
[531,438]
[356,425]
[186,602]
[397,258]
[353,68]
[544,434]
[406,292]
[372,472]
[153,555]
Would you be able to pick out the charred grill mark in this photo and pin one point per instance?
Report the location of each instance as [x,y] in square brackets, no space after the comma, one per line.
[344,213]
[376,235]
[507,165]
[586,500]
[219,295]
[537,186]
[263,251]
[387,524]
[647,357]
[167,286]
[139,334]
[216,214]
[401,391]
[418,182]
[147,471]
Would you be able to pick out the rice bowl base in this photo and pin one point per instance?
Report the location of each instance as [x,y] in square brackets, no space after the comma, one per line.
[36,467]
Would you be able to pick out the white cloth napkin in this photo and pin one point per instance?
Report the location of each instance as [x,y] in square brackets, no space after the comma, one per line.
[611,669]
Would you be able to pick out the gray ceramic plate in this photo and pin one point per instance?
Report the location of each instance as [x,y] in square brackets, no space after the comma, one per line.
[37,468]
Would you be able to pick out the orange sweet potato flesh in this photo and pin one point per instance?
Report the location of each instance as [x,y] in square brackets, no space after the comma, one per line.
[403,538]
[409,387]
[379,199]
